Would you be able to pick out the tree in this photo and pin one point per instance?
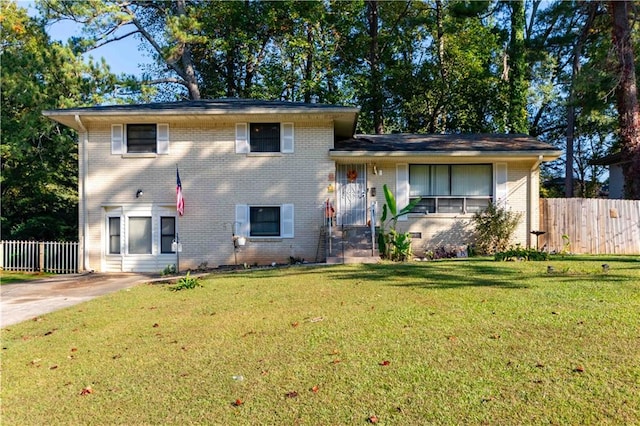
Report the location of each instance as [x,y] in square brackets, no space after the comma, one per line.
[39,157]
[169,28]
[627,96]
[518,83]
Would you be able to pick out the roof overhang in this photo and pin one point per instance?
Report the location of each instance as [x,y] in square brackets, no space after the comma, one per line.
[344,118]
[444,156]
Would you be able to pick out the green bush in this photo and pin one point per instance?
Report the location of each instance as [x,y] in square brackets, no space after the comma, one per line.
[494,228]
[521,253]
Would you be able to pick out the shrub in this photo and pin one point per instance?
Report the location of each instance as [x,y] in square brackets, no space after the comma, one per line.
[187,283]
[521,253]
[494,228]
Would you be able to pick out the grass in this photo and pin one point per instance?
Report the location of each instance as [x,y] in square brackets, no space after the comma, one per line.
[446,342]
[8,277]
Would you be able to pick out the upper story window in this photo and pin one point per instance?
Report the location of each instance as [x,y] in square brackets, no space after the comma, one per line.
[141,138]
[148,138]
[264,138]
[451,188]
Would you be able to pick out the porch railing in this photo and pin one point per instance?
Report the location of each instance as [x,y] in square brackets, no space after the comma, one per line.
[39,256]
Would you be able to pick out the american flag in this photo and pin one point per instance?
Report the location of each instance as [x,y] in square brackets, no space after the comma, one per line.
[179,198]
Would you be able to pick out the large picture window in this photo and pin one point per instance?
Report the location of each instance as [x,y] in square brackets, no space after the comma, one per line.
[264,137]
[167,233]
[139,235]
[141,138]
[264,221]
[451,188]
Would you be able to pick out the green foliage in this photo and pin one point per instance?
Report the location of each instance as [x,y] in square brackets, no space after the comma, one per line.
[494,228]
[169,270]
[392,244]
[39,157]
[186,283]
[521,253]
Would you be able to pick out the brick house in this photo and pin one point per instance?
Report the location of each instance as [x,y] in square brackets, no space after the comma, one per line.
[256,176]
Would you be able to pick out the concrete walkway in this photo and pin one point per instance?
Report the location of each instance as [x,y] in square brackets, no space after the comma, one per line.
[24,301]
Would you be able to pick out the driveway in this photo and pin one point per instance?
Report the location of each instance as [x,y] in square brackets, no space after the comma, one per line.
[24,301]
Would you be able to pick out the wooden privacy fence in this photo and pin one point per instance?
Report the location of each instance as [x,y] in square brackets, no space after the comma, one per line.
[592,225]
[38,256]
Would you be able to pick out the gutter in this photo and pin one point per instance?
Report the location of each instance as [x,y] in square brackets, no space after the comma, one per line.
[83,192]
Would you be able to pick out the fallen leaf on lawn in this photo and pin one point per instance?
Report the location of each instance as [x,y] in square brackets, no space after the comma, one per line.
[86,391]
[452,338]
[49,333]
[385,362]
[315,389]
[335,352]
[336,361]
[495,336]
[540,365]
[295,324]
[316,319]
[74,349]
[291,394]
[579,369]
[248,333]
[37,319]
[373,419]
[554,313]
[35,361]
[53,367]
[117,356]
[156,325]
[264,372]
[237,403]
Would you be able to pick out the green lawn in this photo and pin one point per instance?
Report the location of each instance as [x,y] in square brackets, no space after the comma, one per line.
[8,277]
[446,342]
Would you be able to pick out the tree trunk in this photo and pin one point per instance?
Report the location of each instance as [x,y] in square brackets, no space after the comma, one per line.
[442,113]
[517,114]
[627,97]
[189,73]
[374,61]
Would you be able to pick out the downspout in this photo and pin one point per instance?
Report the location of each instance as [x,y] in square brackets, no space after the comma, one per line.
[84,160]
[532,208]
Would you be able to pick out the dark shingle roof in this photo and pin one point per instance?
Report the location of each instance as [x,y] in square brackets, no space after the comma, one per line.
[409,143]
[207,105]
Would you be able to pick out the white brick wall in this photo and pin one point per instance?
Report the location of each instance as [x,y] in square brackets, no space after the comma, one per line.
[214,179]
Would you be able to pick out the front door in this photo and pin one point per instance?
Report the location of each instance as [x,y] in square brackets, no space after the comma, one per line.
[352,194]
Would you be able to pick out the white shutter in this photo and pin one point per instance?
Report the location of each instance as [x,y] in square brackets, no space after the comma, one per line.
[286,221]
[501,191]
[242,138]
[286,138]
[402,188]
[163,138]
[241,227]
[116,138]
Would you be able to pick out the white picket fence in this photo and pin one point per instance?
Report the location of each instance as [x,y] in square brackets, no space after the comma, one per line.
[38,256]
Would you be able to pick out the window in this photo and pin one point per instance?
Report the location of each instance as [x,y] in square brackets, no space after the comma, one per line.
[264,137]
[141,138]
[167,233]
[139,235]
[457,188]
[114,235]
[264,221]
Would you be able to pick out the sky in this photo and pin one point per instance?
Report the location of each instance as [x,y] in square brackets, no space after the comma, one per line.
[121,56]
